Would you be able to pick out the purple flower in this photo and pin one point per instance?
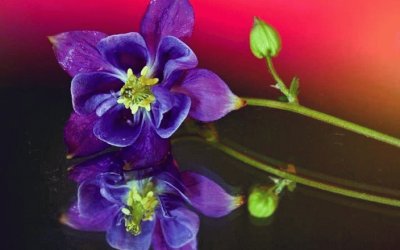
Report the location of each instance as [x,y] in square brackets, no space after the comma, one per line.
[148,150]
[150,209]
[129,84]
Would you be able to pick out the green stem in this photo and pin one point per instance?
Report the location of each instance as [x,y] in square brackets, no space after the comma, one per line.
[279,82]
[305,181]
[296,108]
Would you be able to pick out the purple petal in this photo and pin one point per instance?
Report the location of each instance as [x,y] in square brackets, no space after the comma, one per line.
[169,182]
[159,243]
[125,51]
[119,238]
[113,188]
[117,127]
[105,106]
[79,137]
[181,228]
[172,55]
[166,18]
[76,52]
[167,121]
[149,150]
[207,196]
[99,221]
[211,97]
[89,169]
[163,104]
[192,245]
[90,199]
[149,171]
[90,90]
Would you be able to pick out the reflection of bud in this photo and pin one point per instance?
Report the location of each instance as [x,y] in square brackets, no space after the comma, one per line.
[264,40]
[262,202]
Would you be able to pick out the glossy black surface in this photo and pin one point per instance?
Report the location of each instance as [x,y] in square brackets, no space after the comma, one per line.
[35,189]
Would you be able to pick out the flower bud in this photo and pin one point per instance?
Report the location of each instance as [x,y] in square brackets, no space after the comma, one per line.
[262,202]
[264,40]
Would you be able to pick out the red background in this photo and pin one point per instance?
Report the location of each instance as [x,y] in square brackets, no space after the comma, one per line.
[346,53]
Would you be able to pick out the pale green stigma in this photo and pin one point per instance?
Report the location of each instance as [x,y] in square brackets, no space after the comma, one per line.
[136,93]
[140,207]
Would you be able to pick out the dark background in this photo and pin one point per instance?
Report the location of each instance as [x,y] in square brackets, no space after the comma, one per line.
[35,189]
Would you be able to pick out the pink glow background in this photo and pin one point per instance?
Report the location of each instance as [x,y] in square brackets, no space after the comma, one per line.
[346,53]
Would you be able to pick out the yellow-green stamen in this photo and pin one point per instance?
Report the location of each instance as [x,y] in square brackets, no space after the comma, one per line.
[140,207]
[136,93]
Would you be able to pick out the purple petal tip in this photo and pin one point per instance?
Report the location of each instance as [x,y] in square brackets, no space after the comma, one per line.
[69,156]
[239,103]
[52,39]
[65,221]
[238,201]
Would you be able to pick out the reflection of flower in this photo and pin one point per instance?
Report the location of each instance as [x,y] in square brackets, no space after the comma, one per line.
[132,82]
[139,212]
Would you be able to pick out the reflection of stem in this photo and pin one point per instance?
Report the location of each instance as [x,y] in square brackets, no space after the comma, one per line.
[302,180]
[298,179]
[295,108]
[300,171]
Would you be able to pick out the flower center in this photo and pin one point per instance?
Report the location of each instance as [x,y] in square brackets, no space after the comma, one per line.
[136,92]
[140,207]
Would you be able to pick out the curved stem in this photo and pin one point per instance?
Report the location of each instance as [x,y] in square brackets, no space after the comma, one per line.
[293,177]
[279,82]
[296,108]
[305,181]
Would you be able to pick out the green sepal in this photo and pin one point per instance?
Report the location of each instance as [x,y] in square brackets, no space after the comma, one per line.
[294,87]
